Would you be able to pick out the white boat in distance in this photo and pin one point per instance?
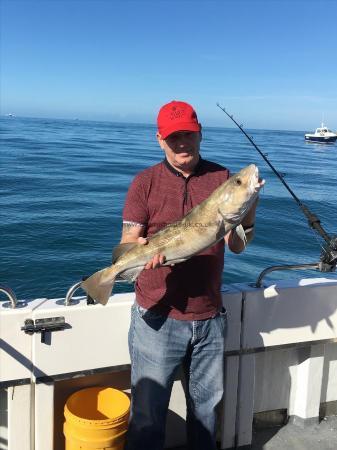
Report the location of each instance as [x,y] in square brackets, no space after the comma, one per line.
[322,134]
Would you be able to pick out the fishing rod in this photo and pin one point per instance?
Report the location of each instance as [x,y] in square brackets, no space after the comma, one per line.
[329,256]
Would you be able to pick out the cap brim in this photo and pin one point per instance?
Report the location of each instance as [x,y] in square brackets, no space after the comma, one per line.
[182,126]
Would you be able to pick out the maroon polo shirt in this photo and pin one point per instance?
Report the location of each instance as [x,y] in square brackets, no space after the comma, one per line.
[161,195]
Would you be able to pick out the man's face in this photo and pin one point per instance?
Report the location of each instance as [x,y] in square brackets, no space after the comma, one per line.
[182,149]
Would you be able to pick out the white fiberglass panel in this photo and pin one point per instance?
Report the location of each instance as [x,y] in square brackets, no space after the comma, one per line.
[281,314]
[95,336]
[15,344]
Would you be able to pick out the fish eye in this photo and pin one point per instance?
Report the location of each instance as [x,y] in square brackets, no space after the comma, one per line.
[238,182]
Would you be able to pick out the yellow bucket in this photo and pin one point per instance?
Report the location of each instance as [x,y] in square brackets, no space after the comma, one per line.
[96,418]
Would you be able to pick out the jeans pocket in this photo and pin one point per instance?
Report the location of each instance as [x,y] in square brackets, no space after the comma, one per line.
[141,311]
[148,313]
[151,318]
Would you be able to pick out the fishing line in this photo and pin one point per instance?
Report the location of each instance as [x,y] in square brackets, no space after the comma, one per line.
[329,251]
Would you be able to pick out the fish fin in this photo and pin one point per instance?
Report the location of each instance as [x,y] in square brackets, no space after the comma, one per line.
[241,233]
[99,285]
[174,261]
[120,249]
[221,231]
[130,274]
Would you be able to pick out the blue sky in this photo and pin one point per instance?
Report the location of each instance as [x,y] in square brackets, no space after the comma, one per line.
[271,63]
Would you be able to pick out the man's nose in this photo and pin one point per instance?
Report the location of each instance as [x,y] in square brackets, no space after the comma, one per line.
[183,141]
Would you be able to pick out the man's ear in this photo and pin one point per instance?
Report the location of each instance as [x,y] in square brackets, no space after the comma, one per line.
[160,140]
[200,135]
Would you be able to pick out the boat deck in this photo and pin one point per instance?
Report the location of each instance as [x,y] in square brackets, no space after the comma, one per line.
[322,436]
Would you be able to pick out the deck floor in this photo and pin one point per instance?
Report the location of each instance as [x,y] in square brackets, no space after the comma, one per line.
[322,436]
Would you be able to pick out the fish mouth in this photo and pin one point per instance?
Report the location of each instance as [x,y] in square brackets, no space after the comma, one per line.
[255,182]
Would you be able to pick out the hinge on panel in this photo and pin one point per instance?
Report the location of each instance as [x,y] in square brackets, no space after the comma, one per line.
[44,325]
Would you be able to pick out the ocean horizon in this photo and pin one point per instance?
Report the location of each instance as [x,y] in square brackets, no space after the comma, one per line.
[147,124]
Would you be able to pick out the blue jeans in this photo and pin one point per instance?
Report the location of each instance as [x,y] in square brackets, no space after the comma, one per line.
[158,346]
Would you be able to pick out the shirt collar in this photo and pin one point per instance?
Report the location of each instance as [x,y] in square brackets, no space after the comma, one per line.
[179,174]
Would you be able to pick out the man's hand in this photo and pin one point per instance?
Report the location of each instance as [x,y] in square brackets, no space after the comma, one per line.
[157,261]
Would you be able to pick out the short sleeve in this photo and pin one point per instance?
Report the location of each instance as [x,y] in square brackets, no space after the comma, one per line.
[135,206]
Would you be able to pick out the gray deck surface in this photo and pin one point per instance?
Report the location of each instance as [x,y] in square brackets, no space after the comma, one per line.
[322,436]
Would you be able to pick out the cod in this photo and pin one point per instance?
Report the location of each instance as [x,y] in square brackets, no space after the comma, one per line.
[205,225]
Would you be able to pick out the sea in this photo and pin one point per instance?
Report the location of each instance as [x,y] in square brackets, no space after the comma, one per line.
[63,185]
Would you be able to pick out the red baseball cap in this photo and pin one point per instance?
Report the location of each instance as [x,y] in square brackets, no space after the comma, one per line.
[177,116]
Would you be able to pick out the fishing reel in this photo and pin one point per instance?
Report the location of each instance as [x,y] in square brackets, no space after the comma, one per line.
[328,258]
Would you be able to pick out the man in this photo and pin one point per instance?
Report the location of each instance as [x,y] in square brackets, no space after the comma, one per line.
[178,316]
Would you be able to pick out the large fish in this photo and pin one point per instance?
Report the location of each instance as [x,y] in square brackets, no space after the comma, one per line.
[205,225]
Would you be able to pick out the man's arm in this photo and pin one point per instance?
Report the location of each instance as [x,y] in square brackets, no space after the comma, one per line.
[132,232]
[234,242]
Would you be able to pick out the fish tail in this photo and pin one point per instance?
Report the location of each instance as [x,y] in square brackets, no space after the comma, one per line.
[99,285]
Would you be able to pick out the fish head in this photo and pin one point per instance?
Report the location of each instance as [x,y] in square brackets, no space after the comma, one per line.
[240,192]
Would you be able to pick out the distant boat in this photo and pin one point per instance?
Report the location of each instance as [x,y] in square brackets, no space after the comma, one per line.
[322,134]
[10,115]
